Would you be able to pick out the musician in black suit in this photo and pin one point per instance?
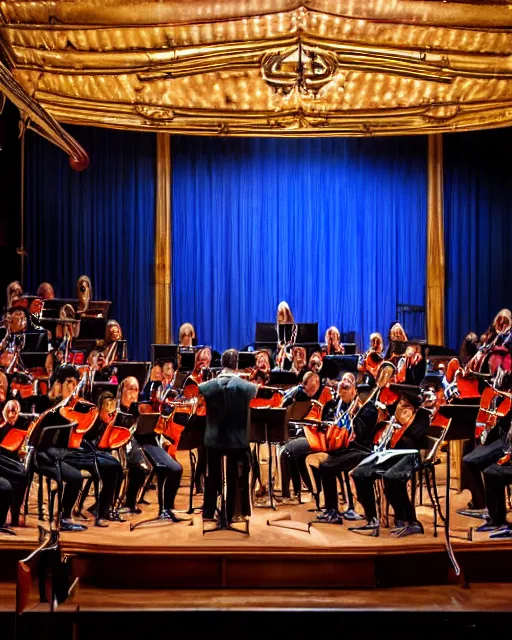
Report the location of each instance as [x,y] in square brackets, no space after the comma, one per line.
[227,399]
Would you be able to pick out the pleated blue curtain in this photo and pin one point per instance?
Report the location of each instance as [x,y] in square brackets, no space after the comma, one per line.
[478,230]
[336,227]
[99,222]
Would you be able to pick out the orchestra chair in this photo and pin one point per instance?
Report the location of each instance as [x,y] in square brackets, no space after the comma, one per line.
[222,523]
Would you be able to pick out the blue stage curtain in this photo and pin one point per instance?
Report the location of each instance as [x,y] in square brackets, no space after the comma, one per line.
[99,223]
[336,227]
[478,230]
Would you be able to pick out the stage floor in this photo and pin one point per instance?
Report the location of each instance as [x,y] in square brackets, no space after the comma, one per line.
[166,555]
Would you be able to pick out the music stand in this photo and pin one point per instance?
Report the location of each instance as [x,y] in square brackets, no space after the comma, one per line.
[36,341]
[99,387]
[282,379]
[161,351]
[41,440]
[462,427]
[335,366]
[135,369]
[268,425]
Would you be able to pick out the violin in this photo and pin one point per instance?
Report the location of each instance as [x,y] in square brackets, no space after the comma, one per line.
[267,397]
[116,435]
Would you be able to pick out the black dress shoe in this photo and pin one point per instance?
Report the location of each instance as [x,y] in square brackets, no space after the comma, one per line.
[332,516]
[409,529]
[7,530]
[112,515]
[488,526]
[372,526]
[167,514]
[131,511]
[482,514]
[505,531]
[66,524]
[350,514]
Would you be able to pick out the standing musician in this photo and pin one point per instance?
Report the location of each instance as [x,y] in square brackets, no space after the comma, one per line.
[295,452]
[186,335]
[285,342]
[13,475]
[332,341]
[168,471]
[396,470]
[227,399]
[364,419]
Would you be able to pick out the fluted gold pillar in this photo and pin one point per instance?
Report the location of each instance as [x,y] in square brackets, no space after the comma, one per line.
[163,256]
[435,243]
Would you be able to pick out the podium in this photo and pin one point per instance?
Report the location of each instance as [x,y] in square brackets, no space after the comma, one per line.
[462,427]
[268,425]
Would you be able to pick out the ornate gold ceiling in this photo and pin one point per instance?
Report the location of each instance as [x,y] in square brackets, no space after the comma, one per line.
[265,67]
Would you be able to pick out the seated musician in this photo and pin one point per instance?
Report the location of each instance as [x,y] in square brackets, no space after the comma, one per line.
[14,291]
[497,477]
[261,371]
[4,389]
[168,471]
[468,348]
[299,362]
[13,475]
[103,372]
[201,372]
[227,398]
[74,460]
[295,452]
[113,334]
[282,356]
[496,348]
[315,362]
[477,459]
[369,362]
[396,334]
[396,471]
[332,340]
[45,291]
[347,458]
[186,335]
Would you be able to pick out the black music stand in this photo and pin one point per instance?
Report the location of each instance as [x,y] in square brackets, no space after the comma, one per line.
[268,425]
[283,379]
[43,439]
[462,427]
[136,369]
[334,366]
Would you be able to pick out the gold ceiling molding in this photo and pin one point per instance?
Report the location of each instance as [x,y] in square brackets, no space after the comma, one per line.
[272,67]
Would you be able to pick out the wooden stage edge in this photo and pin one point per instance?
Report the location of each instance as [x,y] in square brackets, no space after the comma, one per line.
[180,556]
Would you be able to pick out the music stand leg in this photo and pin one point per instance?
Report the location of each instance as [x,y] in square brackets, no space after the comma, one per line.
[222,515]
[448,541]
[270,478]
[166,515]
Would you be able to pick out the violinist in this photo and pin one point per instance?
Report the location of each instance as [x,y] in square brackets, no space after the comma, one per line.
[295,452]
[168,471]
[497,477]
[13,475]
[315,362]
[74,460]
[468,348]
[138,470]
[332,340]
[186,335]
[364,418]
[396,470]
[17,321]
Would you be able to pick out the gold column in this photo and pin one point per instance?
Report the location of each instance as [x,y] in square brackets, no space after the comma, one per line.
[163,257]
[435,242]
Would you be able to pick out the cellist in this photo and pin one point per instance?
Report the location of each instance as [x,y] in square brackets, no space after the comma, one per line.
[410,424]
